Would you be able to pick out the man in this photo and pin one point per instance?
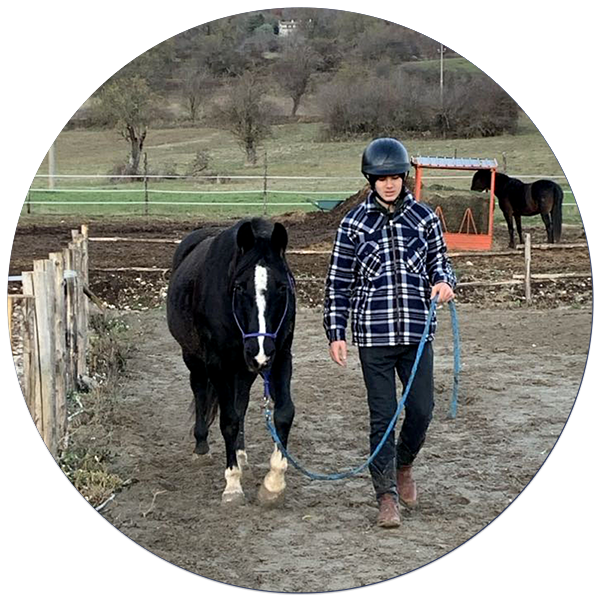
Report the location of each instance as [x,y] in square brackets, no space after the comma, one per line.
[388,261]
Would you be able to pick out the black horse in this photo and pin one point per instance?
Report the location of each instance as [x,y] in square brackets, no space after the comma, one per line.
[517,199]
[231,307]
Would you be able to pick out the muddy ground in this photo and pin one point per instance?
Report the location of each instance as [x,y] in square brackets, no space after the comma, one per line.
[115,279]
[522,367]
[518,385]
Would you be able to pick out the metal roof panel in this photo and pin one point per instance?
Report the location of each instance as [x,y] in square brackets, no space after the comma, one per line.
[443,162]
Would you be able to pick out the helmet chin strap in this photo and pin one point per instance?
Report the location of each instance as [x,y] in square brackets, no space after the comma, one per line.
[388,202]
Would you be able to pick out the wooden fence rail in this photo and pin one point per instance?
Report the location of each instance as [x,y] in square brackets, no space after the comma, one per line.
[54,333]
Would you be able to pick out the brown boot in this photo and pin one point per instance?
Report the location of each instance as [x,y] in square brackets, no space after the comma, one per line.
[407,488]
[389,511]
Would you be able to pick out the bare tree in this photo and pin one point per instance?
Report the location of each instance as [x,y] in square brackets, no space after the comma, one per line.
[128,105]
[294,70]
[245,115]
[198,85]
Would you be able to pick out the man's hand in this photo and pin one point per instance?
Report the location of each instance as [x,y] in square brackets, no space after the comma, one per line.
[444,290]
[338,352]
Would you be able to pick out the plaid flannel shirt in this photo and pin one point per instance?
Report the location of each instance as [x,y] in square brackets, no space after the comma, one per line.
[381,271]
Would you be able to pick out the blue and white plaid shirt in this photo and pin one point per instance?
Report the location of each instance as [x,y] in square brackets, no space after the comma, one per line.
[382,268]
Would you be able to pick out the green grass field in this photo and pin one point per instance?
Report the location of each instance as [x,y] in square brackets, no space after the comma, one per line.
[293,150]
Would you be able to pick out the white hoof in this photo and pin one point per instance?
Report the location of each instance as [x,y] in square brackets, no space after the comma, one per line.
[270,499]
[233,499]
[271,492]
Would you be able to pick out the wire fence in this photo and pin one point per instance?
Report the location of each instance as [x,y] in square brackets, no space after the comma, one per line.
[229,194]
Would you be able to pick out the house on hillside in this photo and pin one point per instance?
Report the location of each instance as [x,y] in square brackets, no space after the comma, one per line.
[68,38]
[288,27]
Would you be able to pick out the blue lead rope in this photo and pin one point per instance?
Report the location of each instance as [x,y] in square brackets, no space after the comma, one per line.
[357,470]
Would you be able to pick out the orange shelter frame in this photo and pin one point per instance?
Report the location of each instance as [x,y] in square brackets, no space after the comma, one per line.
[460,241]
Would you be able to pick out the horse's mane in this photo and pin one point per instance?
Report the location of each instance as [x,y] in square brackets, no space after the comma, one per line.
[505,182]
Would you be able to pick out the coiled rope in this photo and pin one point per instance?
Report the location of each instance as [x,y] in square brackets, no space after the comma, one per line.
[357,470]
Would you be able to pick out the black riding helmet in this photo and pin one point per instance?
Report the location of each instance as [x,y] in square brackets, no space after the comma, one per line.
[385,156]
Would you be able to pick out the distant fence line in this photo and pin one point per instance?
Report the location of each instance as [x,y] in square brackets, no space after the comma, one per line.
[262,177]
[262,196]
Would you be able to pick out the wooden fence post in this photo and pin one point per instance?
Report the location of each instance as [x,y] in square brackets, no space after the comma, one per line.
[70,323]
[44,304]
[80,302]
[40,474]
[85,253]
[146,203]
[22,450]
[58,280]
[55,315]
[528,268]
[85,307]
[265,186]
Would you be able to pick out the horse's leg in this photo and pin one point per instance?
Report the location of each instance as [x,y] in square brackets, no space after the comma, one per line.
[549,231]
[229,421]
[508,216]
[271,492]
[519,229]
[204,402]
[242,396]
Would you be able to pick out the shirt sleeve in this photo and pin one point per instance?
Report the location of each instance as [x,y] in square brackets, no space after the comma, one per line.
[439,267]
[339,285]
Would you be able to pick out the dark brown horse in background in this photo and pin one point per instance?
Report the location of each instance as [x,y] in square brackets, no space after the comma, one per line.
[517,199]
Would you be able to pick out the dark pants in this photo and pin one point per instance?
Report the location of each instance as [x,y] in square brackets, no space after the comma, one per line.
[379,366]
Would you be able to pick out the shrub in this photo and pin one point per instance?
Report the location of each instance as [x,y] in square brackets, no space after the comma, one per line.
[358,103]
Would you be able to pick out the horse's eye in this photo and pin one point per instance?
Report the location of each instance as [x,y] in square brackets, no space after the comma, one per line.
[238,288]
[281,288]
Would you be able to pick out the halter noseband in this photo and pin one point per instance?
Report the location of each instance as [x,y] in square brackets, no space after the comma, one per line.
[245,335]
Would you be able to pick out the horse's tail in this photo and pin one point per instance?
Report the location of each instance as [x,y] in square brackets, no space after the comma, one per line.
[204,414]
[556,213]
[211,405]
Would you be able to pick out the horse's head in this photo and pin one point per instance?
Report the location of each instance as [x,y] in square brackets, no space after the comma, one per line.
[481,180]
[263,297]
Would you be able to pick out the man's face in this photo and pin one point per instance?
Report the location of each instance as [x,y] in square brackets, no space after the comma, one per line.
[388,187]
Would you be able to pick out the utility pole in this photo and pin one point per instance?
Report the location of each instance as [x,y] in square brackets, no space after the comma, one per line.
[265,186]
[442,51]
[51,155]
[21,68]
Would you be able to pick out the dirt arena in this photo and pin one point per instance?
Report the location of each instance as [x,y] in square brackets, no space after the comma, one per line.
[522,367]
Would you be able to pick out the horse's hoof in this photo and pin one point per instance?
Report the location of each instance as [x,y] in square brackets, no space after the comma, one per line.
[201,458]
[270,499]
[202,447]
[233,499]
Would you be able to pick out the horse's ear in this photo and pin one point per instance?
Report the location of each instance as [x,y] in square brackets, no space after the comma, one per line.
[245,237]
[279,238]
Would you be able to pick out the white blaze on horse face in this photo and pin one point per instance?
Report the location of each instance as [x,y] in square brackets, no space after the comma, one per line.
[260,287]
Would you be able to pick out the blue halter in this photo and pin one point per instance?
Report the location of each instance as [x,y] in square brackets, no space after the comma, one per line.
[273,336]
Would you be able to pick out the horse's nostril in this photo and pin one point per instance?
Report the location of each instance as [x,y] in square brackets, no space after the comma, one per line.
[263,362]
[259,362]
